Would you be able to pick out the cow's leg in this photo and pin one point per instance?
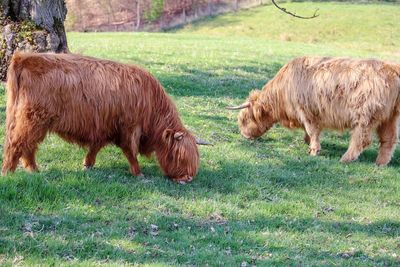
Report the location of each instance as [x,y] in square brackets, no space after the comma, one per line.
[28,160]
[22,141]
[306,138]
[132,158]
[11,155]
[90,158]
[388,134]
[312,132]
[361,137]
[130,147]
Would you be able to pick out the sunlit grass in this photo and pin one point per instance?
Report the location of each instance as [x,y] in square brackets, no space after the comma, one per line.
[367,26]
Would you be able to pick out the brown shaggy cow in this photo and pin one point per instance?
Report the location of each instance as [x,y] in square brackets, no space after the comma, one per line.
[337,93]
[93,103]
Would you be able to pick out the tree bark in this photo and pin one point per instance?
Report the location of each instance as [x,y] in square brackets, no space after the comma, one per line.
[31,25]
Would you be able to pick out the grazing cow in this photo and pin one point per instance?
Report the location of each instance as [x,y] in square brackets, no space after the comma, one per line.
[92,103]
[336,93]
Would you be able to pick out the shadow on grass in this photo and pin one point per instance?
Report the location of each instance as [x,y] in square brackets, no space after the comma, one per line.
[95,216]
[333,146]
[220,81]
[335,150]
[2,114]
[124,237]
[224,176]
[195,82]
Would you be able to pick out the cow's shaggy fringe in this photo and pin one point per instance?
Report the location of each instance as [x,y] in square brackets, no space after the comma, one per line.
[337,93]
[93,103]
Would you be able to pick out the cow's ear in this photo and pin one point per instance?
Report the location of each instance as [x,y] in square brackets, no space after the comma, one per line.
[254,95]
[167,134]
[259,112]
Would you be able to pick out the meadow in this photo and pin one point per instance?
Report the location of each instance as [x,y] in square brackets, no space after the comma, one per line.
[263,202]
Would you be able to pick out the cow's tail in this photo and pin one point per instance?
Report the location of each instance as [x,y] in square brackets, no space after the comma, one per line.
[13,87]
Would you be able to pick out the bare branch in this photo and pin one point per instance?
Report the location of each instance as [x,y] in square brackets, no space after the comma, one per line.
[293,14]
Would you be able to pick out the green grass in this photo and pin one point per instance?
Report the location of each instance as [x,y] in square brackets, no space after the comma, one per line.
[264,202]
[368,26]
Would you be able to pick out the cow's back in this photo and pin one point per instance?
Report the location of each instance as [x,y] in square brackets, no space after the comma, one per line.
[86,99]
[341,92]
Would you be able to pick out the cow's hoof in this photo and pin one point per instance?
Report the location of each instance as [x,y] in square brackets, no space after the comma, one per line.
[87,168]
[183,180]
[139,175]
[31,168]
[382,162]
[347,158]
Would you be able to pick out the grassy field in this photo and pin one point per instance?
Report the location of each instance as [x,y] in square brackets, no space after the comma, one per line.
[372,27]
[263,202]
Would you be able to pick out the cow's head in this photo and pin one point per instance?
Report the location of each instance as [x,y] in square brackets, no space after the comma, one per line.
[178,156]
[255,117]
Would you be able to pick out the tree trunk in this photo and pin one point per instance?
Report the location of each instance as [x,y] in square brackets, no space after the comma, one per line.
[31,25]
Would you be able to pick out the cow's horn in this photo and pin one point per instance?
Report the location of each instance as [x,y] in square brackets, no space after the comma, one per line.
[202,142]
[242,106]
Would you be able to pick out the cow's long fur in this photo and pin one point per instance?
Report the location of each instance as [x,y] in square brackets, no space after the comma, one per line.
[338,93]
[93,103]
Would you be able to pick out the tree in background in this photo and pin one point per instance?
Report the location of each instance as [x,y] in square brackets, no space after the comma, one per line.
[31,25]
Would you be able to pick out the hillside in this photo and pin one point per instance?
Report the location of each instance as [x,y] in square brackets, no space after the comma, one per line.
[358,26]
